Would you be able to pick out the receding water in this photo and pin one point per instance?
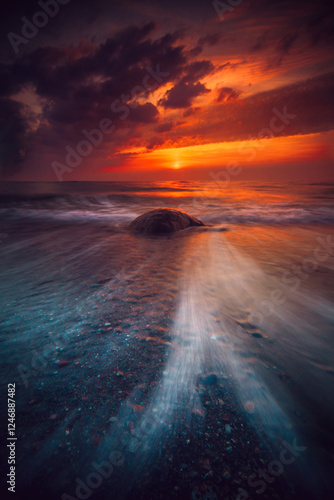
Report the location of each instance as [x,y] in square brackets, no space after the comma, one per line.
[118,342]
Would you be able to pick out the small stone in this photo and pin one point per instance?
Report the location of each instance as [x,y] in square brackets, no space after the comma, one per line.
[226,475]
[210,379]
[63,362]
[228,429]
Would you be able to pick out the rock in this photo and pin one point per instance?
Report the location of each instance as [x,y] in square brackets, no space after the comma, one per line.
[63,362]
[210,379]
[163,220]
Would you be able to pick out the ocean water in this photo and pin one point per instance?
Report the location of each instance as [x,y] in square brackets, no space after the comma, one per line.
[107,333]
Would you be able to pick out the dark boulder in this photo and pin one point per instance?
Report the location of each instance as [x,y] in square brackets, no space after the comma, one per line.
[163,220]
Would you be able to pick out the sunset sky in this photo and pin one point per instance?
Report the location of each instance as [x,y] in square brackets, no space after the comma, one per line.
[171,90]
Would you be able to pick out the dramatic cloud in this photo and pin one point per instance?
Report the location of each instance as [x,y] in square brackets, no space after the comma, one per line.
[227,94]
[165,127]
[161,82]
[308,107]
[182,95]
[188,87]
[13,136]
[147,113]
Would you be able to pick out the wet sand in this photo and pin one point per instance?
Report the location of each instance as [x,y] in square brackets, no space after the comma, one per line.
[160,356]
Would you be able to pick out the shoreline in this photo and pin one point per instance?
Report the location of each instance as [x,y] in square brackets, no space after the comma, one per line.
[101,359]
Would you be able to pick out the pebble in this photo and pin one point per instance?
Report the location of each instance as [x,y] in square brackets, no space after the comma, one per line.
[210,379]
[228,429]
[63,362]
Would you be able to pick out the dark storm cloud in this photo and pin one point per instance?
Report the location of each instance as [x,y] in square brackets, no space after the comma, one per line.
[13,136]
[190,111]
[188,87]
[282,49]
[197,70]
[95,53]
[154,143]
[260,43]
[146,113]
[165,127]
[310,102]
[79,83]
[228,94]
[286,42]
[182,95]
[210,39]
[283,22]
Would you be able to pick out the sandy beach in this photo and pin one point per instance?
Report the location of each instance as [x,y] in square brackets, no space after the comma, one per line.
[195,365]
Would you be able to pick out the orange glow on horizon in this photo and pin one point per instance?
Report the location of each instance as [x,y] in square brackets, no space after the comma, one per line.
[252,152]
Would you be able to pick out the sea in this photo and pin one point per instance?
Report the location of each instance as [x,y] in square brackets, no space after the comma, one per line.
[126,343]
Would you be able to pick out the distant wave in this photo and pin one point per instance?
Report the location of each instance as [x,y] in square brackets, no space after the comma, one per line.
[106,209]
[115,202]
